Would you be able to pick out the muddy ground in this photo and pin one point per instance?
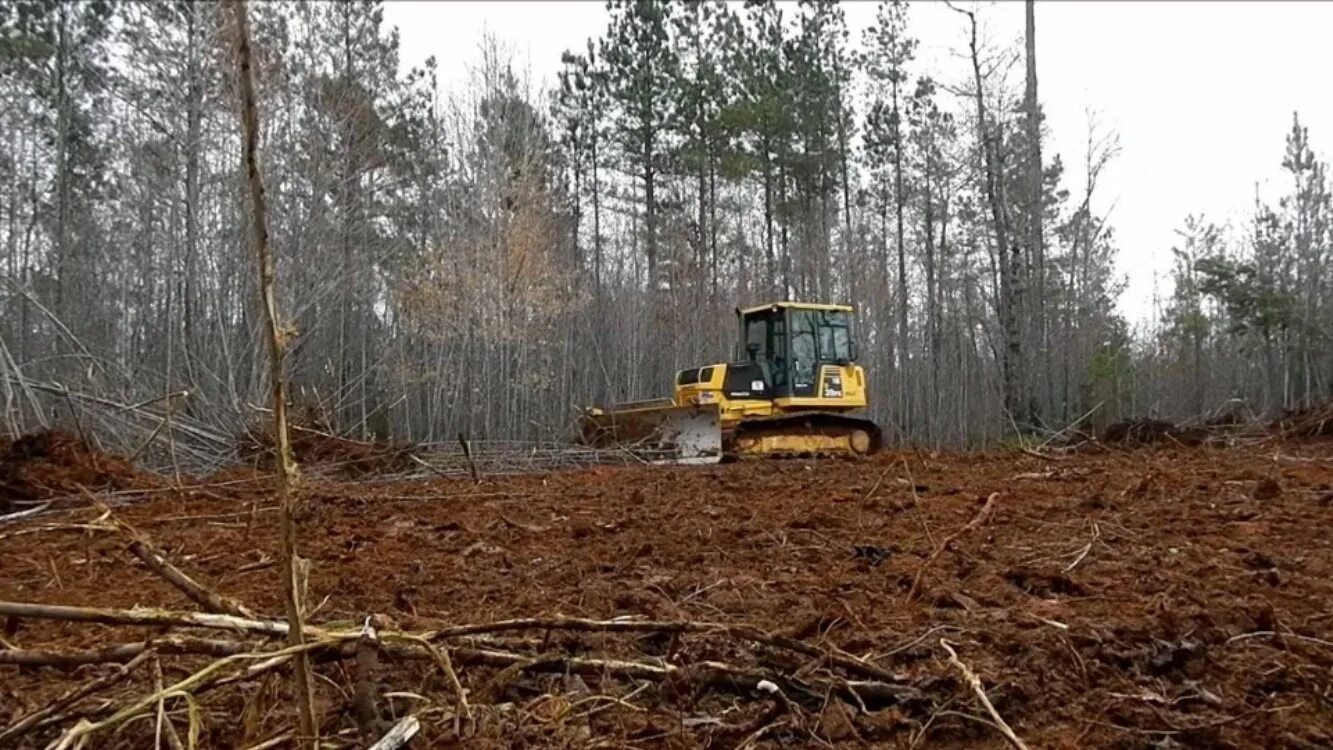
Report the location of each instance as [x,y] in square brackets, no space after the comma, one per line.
[1116,598]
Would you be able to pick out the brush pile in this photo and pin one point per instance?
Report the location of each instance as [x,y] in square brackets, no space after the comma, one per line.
[1313,422]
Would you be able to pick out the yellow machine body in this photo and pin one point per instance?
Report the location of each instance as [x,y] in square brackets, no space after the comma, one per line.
[794,390]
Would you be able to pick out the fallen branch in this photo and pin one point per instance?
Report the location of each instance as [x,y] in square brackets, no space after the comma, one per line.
[211,676]
[974,682]
[834,656]
[21,727]
[431,467]
[142,547]
[976,521]
[20,514]
[209,600]
[124,652]
[401,733]
[707,674]
[142,616]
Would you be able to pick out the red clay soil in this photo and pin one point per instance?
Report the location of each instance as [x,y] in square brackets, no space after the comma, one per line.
[1153,598]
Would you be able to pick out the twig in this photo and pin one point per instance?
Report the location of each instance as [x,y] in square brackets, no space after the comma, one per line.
[163,725]
[1273,633]
[1070,426]
[918,639]
[1096,534]
[975,682]
[976,521]
[271,742]
[1042,456]
[148,440]
[875,487]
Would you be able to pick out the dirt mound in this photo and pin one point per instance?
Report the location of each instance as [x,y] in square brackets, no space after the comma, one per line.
[1315,421]
[53,463]
[338,456]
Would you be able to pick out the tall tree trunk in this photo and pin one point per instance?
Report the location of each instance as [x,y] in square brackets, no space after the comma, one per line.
[769,269]
[899,200]
[64,263]
[1010,289]
[712,221]
[596,208]
[784,247]
[650,211]
[193,145]
[932,289]
[1032,122]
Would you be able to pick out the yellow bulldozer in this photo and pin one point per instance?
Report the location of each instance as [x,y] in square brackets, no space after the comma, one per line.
[794,390]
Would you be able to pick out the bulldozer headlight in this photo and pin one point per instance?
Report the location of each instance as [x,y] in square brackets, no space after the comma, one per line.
[706,397]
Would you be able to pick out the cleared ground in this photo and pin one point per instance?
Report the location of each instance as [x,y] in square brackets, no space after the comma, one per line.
[1114,598]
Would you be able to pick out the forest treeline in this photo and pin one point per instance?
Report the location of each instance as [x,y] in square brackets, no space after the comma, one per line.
[487,260]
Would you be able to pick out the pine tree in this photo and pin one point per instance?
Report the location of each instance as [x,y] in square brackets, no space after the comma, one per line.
[888,51]
[1308,219]
[763,118]
[642,73]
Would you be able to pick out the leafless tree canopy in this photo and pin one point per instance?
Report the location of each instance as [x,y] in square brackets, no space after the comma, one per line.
[489,260]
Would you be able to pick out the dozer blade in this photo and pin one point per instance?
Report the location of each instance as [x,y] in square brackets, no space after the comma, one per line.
[657,431]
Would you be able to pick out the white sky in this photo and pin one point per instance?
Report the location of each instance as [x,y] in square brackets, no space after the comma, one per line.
[1201,93]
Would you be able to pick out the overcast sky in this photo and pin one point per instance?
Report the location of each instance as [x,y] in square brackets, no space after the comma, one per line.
[1201,93]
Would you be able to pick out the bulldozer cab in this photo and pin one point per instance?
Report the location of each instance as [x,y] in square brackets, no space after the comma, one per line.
[788,342]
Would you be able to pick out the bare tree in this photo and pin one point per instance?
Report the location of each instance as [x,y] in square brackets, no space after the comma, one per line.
[285,468]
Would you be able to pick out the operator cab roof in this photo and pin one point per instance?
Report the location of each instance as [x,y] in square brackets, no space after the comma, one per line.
[796,305]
